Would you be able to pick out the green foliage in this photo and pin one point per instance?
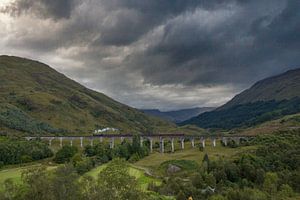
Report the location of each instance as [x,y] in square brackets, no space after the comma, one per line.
[267,173]
[180,196]
[185,165]
[285,191]
[17,119]
[217,197]
[129,151]
[65,154]
[84,166]
[246,194]
[275,148]
[271,183]
[22,151]
[114,182]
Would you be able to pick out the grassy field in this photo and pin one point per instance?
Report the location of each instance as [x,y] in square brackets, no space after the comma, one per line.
[146,166]
[138,173]
[154,160]
[16,173]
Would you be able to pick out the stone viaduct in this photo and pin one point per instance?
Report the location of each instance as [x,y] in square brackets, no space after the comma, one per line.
[143,137]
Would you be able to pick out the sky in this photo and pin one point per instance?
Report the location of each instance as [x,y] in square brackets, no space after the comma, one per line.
[164,54]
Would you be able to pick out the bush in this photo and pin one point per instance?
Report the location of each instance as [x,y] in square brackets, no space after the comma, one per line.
[84,166]
[22,151]
[65,154]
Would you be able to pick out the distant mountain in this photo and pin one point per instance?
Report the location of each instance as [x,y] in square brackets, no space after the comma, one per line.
[36,99]
[178,115]
[266,100]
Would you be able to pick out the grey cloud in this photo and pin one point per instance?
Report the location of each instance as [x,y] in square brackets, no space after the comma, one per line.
[55,9]
[167,54]
[225,51]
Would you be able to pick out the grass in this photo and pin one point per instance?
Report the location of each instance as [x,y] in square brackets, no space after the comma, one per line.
[143,169]
[153,161]
[139,173]
[15,174]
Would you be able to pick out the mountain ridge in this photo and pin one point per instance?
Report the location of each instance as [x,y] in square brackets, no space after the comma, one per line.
[177,116]
[263,90]
[35,95]
[268,99]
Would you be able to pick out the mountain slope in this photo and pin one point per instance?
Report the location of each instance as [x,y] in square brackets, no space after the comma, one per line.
[266,100]
[280,87]
[178,115]
[35,98]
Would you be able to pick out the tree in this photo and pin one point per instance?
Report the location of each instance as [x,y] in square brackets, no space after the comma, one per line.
[65,154]
[270,183]
[206,162]
[115,183]
[37,184]
[65,183]
[285,191]
[181,196]
[12,191]
[217,197]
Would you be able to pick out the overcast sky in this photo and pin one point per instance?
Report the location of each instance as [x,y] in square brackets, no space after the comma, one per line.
[165,54]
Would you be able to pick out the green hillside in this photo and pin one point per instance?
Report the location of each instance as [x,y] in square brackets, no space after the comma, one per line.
[36,99]
[280,87]
[269,99]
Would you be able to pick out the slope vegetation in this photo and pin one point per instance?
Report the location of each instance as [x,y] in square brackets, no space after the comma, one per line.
[36,99]
[269,99]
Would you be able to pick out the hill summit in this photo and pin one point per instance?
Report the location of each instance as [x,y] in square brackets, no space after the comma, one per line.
[35,98]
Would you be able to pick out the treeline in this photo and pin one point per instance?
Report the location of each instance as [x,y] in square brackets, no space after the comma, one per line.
[63,183]
[100,154]
[246,115]
[22,151]
[271,172]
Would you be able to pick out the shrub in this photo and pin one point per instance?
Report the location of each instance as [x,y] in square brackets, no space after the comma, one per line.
[65,154]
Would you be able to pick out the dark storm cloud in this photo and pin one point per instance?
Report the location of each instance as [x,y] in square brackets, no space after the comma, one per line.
[55,9]
[160,52]
[239,45]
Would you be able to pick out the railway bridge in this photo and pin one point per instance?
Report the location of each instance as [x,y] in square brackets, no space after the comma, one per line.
[181,138]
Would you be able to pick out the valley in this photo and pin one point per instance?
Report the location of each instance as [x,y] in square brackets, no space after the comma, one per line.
[61,140]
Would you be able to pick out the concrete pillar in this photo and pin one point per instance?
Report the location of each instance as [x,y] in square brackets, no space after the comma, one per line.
[193,142]
[237,140]
[182,143]
[162,147]
[101,139]
[225,141]
[151,145]
[141,141]
[122,139]
[81,142]
[112,143]
[172,145]
[50,142]
[214,142]
[71,142]
[60,141]
[92,142]
[203,142]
